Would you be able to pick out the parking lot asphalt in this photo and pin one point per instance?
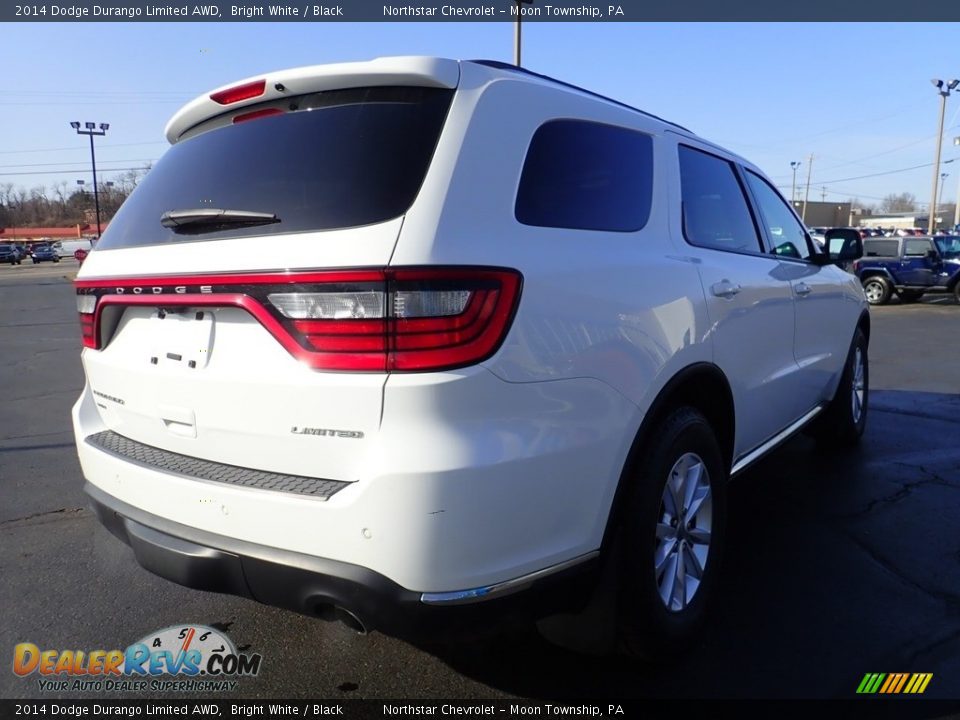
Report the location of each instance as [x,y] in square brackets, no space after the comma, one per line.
[837,565]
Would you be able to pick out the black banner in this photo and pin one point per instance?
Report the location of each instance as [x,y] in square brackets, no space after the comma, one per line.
[480,11]
[873,707]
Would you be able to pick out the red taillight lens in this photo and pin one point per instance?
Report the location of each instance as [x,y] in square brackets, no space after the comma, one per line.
[86,305]
[367,320]
[257,114]
[240,92]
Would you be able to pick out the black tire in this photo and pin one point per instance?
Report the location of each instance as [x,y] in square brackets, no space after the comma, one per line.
[956,292]
[839,425]
[877,289]
[35,261]
[910,296]
[645,625]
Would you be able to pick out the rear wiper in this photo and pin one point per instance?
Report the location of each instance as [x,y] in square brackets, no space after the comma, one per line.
[204,220]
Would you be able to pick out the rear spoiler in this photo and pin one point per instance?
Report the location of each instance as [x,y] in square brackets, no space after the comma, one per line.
[416,71]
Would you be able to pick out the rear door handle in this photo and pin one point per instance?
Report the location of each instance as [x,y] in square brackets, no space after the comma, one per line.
[802,289]
[725,289]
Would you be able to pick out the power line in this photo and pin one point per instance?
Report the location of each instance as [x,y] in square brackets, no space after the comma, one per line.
[70,172]
[55,164]
[81,147]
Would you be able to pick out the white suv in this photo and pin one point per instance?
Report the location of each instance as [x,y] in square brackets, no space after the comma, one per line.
[380,339]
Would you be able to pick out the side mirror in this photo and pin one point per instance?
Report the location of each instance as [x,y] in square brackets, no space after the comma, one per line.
[933,255]
[843,245]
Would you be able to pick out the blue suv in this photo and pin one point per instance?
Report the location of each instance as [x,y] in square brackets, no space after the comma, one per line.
[909,267]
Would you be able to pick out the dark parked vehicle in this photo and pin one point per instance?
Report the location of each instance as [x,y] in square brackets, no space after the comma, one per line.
[909,266]
[44,252]
[10,253]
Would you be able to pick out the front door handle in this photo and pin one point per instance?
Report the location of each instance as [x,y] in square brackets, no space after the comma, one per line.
[725,289]
[802,289]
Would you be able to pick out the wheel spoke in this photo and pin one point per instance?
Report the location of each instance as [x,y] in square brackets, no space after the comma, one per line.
[668,580]
[691,481]
[680,584]
[666,550]
[702,495]
[693,562]
[698,536]
[666,531]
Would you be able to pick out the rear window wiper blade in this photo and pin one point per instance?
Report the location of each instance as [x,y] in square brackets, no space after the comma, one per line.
[204,220]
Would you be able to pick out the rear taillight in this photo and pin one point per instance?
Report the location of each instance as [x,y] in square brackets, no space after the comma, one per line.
[86,305]
[408,319]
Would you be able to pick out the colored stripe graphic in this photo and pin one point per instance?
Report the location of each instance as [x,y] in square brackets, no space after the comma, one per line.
[894,683]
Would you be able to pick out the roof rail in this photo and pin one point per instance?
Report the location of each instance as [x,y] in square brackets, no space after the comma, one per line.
[513,68]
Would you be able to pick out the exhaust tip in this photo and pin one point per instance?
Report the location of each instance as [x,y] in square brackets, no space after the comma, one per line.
[334,613]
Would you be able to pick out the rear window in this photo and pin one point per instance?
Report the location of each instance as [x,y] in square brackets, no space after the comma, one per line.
[586,176]
[335,159]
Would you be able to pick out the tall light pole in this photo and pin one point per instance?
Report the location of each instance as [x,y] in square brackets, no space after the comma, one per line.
[90,129]
[806,193]
[794,164]
[956,207]
[516,31]
[944,89]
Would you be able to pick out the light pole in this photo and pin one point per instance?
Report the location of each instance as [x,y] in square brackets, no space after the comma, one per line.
[943,88]
[91,130]
[956,207]
[516,31]
[794,164]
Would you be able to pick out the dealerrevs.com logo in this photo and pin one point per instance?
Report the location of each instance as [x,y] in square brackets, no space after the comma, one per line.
[179,658]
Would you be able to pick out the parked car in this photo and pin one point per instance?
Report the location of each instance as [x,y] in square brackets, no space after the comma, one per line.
[68,248]
[479,366]
[909,267]
[10,253]
[43,252]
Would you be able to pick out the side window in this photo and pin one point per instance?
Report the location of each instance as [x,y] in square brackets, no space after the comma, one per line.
[881,248]
[916,248]
[787,235]
[586,176]
[715,211]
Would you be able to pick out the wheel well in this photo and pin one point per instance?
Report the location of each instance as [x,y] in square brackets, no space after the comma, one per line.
[702,386]
[866,275]
[864,324]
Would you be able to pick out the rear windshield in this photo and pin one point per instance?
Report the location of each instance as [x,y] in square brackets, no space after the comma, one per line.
[335,159]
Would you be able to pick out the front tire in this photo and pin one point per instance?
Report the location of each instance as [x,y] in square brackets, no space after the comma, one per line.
[672,537]
[877,289]
[843,422]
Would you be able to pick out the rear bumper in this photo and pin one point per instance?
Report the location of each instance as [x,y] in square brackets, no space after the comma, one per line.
[322,587]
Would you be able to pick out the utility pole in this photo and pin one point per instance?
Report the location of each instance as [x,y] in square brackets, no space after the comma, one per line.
[793,188]
[516,31]
[956,207]
[943,88]
[823,193]
[806,194]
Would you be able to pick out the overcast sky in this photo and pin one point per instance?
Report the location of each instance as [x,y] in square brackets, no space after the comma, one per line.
[856,96]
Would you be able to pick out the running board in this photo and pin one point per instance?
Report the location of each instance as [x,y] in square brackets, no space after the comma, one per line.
[751,457]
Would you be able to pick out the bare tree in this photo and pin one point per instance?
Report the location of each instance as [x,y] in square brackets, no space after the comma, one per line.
[899,202]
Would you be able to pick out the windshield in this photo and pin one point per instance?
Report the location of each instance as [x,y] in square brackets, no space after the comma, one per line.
[335,159]
[948,246]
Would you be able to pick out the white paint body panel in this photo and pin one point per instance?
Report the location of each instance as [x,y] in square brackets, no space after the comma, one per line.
[476,476]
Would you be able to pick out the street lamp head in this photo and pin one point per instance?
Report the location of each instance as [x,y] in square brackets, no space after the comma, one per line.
[956,141]
[953,83]
[90,125]
[104,126]
[937,83]
[794,164]
[75,125]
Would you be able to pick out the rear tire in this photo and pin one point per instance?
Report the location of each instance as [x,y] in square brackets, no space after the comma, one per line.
[672,538]
[877,289]
[843,422]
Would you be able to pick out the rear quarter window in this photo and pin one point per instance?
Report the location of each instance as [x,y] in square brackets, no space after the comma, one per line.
[881,248]
[586,176]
